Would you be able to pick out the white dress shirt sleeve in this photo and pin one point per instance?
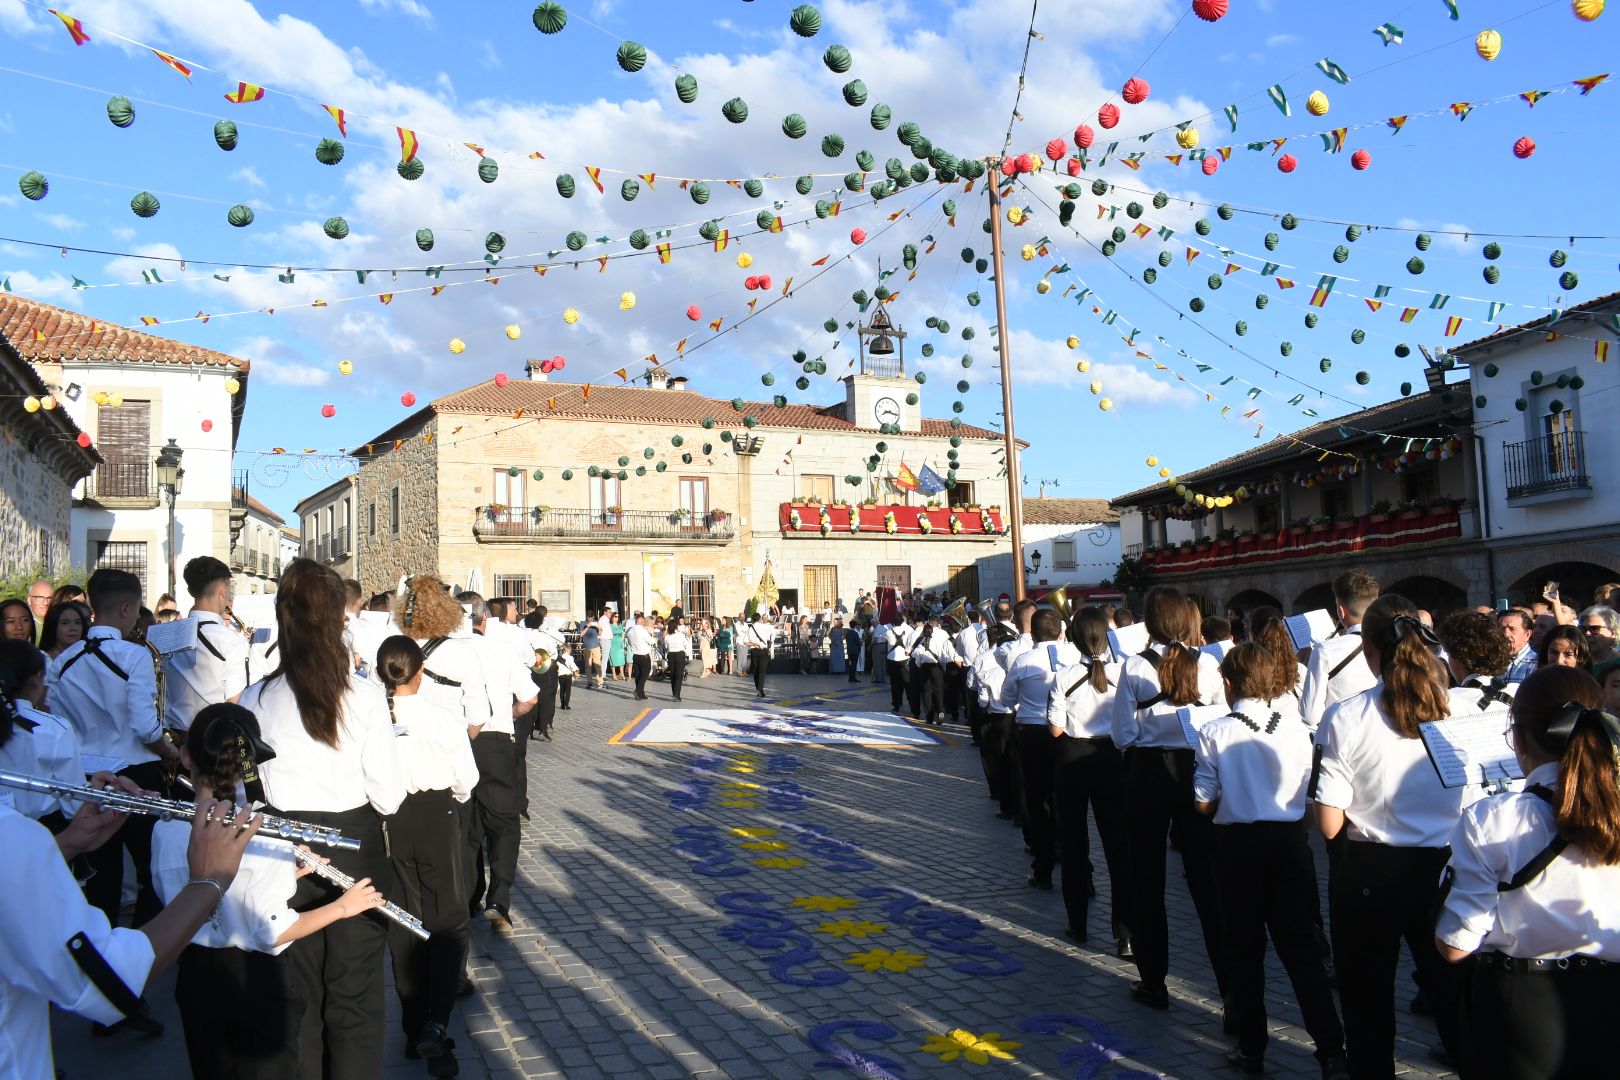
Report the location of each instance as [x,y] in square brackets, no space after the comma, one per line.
[1206,774]
[1336,768]
[1125,729]
[1313,692]
[379,759]
[1469,911]
[474,692]
[140,697]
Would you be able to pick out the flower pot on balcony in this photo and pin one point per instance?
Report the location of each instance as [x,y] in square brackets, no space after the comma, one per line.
[1319,527]
[1378,519]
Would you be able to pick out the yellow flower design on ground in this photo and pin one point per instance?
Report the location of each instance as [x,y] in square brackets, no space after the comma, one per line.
[740,804]
[896,960]
[753,830]
[740,785]
[765,845]
[781,862]
[824,903]
[851,928]
[976,1049]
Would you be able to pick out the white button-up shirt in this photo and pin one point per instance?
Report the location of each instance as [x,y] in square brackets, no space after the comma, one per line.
[51,749]
[639,640]
[434,751]
[1572,908]
[501,680]
[257,907]
[1032,688]
[1319,690]
[901,639]
[113,717]
[366,635]
[757,635]
[677,642]
[1160,724]
[932,646]
[987,677]
[969,642]
[212,671]
[1255,774]
[310,775]
[1084,712]
[1384,783]
[41,908]
[461,658]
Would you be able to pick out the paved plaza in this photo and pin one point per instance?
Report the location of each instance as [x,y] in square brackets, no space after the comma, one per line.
[791,910]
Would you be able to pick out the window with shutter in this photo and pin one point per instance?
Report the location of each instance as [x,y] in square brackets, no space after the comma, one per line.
[124,438]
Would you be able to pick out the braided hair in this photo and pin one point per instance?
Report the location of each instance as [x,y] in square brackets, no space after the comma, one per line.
[399,660]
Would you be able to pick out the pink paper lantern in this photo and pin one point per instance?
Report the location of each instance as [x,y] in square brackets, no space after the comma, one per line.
[1056,149]
[1108,115]
[1524,148]
[501,380]
[1287,163]
[1135,91]
[1360,160]
[1084,136]
[857,236]
[407,399]
[694,313]
[208,425]
[1210,10]
[1212,162]
[329,411]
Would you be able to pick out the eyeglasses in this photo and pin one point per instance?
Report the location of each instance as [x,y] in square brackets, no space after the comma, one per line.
[1512,744]
[1595,628]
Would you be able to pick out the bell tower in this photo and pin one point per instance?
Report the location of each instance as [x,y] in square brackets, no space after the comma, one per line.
[879,396]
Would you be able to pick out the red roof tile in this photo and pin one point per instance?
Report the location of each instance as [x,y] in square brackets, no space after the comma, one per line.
[1537,325]
[69,335]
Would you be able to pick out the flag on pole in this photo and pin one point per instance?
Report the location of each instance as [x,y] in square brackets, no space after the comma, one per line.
[1390,33]
[929,482]
[172,62]
[905,479]
[74,26]
[1279,99]
[1332,71]
[408,145]
[245,92]
[1324,287]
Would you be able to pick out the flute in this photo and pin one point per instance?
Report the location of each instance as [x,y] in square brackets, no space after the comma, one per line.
[172,810]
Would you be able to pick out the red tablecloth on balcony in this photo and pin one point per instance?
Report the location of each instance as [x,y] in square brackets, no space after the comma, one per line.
[1363,534]
[906,519]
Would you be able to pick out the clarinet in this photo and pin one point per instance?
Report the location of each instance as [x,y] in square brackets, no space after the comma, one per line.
[173,810]
[343,881]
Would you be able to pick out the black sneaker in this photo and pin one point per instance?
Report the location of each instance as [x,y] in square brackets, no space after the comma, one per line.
[438,1050]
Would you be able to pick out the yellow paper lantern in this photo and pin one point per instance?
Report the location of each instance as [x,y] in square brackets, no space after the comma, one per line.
[345,367]
[232,386]
[1096,387]
[1073,342]
[513,332]
[457,346]
[115,401]
[1152,461]
[99,397]
[1083,366]
[1181,489]
[1587,10]
[627,301]
[571,316]
[48,402]
[1105,404]
[744,261]
[1015,214]
[1187,138]
[1488,44]
[1043,286]
[1317,103]
[1027,252]
[1164,472]
[31,404]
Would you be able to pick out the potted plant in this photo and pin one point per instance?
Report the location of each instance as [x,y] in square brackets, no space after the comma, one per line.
[868,502]
[1380,511]
[718,516]
[1411,509]
[1320,523]
[496,511]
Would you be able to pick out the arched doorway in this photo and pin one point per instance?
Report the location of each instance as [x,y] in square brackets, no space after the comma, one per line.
[1249,599]
[1316,597]
[1576,583]
[1432,594]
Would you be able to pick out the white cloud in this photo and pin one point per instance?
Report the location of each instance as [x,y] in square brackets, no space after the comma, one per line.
[62,222]
[1277,41]
[1449,235]
[276,362]
[405,7]
[123,233]
[249,176]
[14,16]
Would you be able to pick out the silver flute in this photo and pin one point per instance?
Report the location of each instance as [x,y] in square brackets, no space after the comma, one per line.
[173,810]
[343,881]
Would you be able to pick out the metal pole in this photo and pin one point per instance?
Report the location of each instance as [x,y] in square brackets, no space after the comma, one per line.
[171,543]
[1015,509]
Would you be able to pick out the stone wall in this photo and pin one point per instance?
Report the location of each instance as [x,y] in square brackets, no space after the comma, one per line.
[35,505]
[414,548]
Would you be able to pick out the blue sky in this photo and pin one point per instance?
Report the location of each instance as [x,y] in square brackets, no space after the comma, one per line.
[482,74]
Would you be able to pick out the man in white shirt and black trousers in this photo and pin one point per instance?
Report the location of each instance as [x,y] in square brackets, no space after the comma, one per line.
[1031,688]
[756,638]
[900,639]
[215,669]
[639,640]
[930,655]
[1337,669]
[106,687]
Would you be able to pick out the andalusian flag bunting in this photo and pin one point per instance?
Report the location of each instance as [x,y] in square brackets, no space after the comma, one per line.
[1390,33]
[1408,314]
[408,145]
[1231,113]
[245,92]
[1451,9]
[595,173]
[1269,269]
[1332,71]
[1333,141]
[1440,301]
[1494,310]
[74,26]
[1381,291]
[665,253]
[1279,99]
[1453,324]
[172,62]
[1324,288]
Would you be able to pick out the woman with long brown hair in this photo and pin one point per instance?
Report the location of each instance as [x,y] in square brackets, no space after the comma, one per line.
[335,765]
[1153,687]
[1534,894]
[1378,797]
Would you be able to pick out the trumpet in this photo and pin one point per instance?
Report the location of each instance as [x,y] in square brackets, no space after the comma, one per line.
[173,810]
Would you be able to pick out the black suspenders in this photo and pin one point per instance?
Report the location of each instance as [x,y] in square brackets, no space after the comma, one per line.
[427,650]
[1154,660]
[1545,856]
[92,647]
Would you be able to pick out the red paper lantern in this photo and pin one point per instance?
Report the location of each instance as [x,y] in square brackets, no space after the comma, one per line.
[1008,166]
[1212,162]
[1108,115]
[329,411]
[1135,91]
[857,236]
[1360,160]
[1056,149]
[1210,10]
[1025,163]
[1524,147]
[694,313]
[764,283]
[208,425]
[1074,166]
[1287,163]
[750,282]
[501,380]
[558,363]
[1084,136]
[547,366]
[407,399]
[83,440]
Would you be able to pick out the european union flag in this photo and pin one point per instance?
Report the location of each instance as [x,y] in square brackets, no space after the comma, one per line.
[929,482]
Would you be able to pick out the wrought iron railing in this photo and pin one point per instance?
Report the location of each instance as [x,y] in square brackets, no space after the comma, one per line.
[538,523]
[340,544]
[1553,462]
[132,481]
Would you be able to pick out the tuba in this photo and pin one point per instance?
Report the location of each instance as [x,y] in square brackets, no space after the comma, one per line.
[956,612]
[1059,599]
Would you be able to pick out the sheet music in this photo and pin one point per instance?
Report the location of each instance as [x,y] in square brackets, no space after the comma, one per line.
[172,637]
[1471,749]
[1128,640]
[1194,717]
[1311,627]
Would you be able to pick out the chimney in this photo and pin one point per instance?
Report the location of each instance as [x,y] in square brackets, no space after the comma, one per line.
[677,382]
[534,372]
[658,378]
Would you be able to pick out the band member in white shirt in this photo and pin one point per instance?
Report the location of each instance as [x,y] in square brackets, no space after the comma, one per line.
[998,741]
[638,641]
[1153,687]
[756,636]
[1374,784]
[1337,669]
[106,688]
[1031,690]
[966,642]
[930,655]
[1252,771]
[237,1001]
[677,651]
[336,765]
[431,617]
[1478,655]
[901,637]
[363,635]
[1534,895]
[428,851]
[215,669]
[41,744]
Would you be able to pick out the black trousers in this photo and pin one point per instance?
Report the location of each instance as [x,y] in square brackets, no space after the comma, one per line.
[897,682]
[955,690]
[492,819]
[1037,761]
[565,690]
[1265,875]
[1090,774]
[545,712]
[338,971]
[998,751]
[1377,895]
[852,662]
[677,673]
[758,661]
[241,1013]
[640,669]
[105,889]
[428,841]
[914,689]
[1539,1025]
[930,691]
[1159,802]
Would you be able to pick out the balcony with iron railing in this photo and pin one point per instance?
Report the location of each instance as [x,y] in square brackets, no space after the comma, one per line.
[1546,469]
[609,526]
[339,541]
[128,484]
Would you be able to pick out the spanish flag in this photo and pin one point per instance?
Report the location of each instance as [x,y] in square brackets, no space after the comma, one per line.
[341,117]
[1408,314]
[905,479]
[74,26]
[149,320]
[1324,288]
[648,178]
[715,326]
[680,346]
[776,224]
[722,241]
[665,253]
[601,263]
[1453,324]
[408,145]
[244,92]
[172,62]
[385,298]
[1600,350]
[623,374]
[595,173]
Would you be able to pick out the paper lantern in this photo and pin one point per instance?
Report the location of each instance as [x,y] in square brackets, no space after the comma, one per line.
[144,205]
[1084,136]
[1027,253]
[694,313]
[837,59]
[627,301]
[629,190]
[1073,170]
[857,236]
[1524,147]
[794,126]
[345,367]
[571,316]
[1558,258]
[1135,91]
[632,56]
[1108,115]
[1105,404]
[488,170]
[550,18]
[735,110]
[1210,10]
[513,332]
[1211,164]
[120,111]
[1187,138]
[744,261]
[1072,342]
[240,215]
[765,283]
[1026,163]
[424,239]
[329,411]
[1317,103]
[805,20]
[1287,163]
[855,93]
[207,426]
[31,404]
[1096,387]
[501,380]
[1492,250]
[225,135]
[1043,286]
[329,151]
[1587,10]
[751,283]
[686,88]
[1488,44]
[336,228]
[232,386]
[457,346]
[83,440]
[1056,149]
[407,399]
[33,186]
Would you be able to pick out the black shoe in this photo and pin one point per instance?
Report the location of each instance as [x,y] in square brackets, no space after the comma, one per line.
[437,1048]
[1154,997]
[1253,1064]
[1336,1068]
[1036,881]
[1076,936]
[1441,1056]
[467,988]
[1419,1005]
[1124,948]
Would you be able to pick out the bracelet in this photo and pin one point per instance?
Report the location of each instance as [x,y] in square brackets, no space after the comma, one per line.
[209,881]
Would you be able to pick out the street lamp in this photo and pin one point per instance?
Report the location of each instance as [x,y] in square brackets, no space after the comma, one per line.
[169,477]
[1034,557]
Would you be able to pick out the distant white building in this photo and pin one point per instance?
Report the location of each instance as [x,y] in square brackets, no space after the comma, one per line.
[135,395]
[1070,542]
[291,544]
[256,553]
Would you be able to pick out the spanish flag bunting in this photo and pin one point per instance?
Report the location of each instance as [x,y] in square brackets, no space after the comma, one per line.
[39,335]
[601,263]
[665,253]
[516,416]
[595,173]
[475,148]
[1324,288]
[1174,159]
[715,326]
[1590,83]
[786,286]
[751,304]
[648,178]
[736,184]
[1231,267]
[385,298]
[1600,350]
[74,26]
[1408,314]
[586,392]
[551,404]
[245,92]
[929,250]
[1192,253]
[146,320]
[437,289]
[340,118]
[491,280]
[1142,229]
[1285,283]
[408,145]
[541,270]
[1453,324]
[821,261]
[776,224]
[1374,304]
[838,208]
[172,62]
[204,316]
[312,303]
[912,276]
[537,156]
[896,215]
[623,374]
[722,241]
[1396,122]
[680,346]
[895,296]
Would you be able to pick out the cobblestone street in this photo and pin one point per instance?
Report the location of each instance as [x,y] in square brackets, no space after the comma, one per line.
[788,911]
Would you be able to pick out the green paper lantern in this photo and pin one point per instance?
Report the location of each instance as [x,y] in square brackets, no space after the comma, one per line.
[494,243]
[550,18]
[921,377]
[488,170]
[699,193]
[823,209]
[865,159]
[1118,235]
[1324,365]
[329,151]
[956,406]
[120,111]
[725,436]
[514,471]
[1492,274]
[854,181]
[33,186]
[1576,382]
[881,116]
[1341,254]
[1224,211]
[1568,280]
[738,404]
[1352,233]
[686,88]
[1562,382]
[336,228]
[753,188]
[1424,241]
[967,362]
[1164,258]
[623,475]
[661,466]
[928,349]
[575,240]
[240,215]
[708,424]
[919,172]
[1363,378]
[1133,210]
[144,205]
[1406,389]
[1196,304]
[709,230]
[1555,407]
[1491,371]
[1150,275]
[1289,222]
[1310,320]
[594,470]
[967,333]
[1201,226]
[411,170]
[855,93]
[225,135]
[1414,265]
[1099,187]
[632,57]
[686,459]
[648,453]
[750,421]
[640,240]
[1261,300]
[1160,200]
[568,474]
[623,461]
[424,239]
[1272,240]
[973,299]
[1403,350]
[566,185]
[981,265]
[794,126]
[735,110]
[962,386]
[894,168]
[837,59]
[908,133]
[765,219]
[1492,251]
[1286,348]
[1521,404]
[1213,281]
[1558,258]
[1357,336]
[803,184]
[1108,248]
[629,190]
[831,326]
[908,256]
[802,383]
[805,20]
[832,145]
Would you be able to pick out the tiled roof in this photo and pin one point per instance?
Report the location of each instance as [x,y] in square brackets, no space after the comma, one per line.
[1397,416]
[68,335]
[1536,325]
[258,507]
[1068,511]
[647,405]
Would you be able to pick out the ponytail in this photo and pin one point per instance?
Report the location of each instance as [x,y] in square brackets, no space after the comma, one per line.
[1414,680]
[1170,621]
[1557,708]
[1088,632]
[1268,630]
[399,659]
[226,749]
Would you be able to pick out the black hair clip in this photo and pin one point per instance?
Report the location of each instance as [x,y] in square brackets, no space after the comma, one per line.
[410,608]
[1407,625]
[1574,716]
